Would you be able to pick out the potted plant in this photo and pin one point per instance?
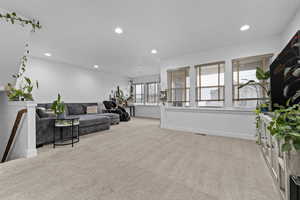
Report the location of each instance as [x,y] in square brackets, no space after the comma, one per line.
[122,100]
[58,107]
[262,76]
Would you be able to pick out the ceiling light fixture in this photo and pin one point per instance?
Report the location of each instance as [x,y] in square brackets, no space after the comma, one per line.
[154,51]
[118,30]
[96,66]
[48,54]
[245,27]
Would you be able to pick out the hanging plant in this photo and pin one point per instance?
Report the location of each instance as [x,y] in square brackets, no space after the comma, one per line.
[24,91]
[13,18]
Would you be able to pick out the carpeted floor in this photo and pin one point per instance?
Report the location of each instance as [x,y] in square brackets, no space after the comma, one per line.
[140,161]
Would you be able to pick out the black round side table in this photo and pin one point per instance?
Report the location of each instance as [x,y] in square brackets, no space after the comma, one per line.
[66,123]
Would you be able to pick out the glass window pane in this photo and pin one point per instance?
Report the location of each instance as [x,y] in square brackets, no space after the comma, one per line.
[244,70]
[210,84]
[178,86]
[209,75]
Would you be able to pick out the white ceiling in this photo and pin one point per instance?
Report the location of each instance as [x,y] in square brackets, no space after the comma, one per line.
[81,32]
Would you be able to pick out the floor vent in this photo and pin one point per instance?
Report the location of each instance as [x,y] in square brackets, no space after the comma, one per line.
[200,134]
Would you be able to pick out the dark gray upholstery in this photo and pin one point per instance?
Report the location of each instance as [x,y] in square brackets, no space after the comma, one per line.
[89,123]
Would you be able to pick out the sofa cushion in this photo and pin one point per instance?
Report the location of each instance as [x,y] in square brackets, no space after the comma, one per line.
[76,109]
[92,120]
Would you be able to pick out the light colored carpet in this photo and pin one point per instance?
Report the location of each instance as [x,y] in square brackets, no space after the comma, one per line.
[140,161]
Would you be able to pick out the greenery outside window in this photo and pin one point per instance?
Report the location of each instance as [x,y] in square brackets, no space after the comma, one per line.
[179,87]
[210,87]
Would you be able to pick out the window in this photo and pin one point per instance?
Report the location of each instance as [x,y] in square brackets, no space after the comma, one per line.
[244,69]
[210,84]
[152,93]
[179,87]
[139,91]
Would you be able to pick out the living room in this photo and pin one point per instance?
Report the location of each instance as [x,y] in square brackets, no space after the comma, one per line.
[150,99]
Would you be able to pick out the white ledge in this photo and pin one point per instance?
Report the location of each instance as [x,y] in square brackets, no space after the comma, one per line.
[210,110]
[22,103]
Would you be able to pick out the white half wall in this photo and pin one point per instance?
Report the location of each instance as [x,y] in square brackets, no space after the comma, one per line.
[147,111]
[220,122]
[24,145]
[75,84]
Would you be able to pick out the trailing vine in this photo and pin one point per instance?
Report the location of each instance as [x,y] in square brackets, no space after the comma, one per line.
[24,91]
[13,18]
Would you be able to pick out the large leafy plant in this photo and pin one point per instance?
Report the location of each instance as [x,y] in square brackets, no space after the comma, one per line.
[261,75]
[285,125]
[58,106]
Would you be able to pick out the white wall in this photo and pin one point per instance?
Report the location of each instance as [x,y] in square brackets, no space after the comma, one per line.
[220,122]
[145,79]
[75,84]
[147,111]
[291,29]
[25,140]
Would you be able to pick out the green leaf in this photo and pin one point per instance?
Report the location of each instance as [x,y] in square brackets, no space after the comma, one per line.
[296,146]
[286,147]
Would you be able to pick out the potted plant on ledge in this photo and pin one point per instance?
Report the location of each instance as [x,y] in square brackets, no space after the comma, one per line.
[285,126]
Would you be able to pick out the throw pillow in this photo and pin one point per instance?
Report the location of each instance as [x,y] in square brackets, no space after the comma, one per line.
[76,109]
[91,109]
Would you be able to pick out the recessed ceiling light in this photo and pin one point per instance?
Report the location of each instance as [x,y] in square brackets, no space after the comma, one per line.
[96,66]
[48,54]
[154,51]
[118,30]
[245,27]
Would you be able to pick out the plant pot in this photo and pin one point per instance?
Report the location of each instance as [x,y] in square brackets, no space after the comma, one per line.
[61,116]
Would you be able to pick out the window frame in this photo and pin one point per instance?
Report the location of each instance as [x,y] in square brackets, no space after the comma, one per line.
[198,89]
[142,95]
[156,95]
[264,57]
[172,90]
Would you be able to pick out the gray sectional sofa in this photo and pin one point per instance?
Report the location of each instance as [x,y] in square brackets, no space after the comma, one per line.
[89,123]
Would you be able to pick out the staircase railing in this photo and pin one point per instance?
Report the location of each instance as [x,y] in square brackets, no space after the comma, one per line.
[13,134]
